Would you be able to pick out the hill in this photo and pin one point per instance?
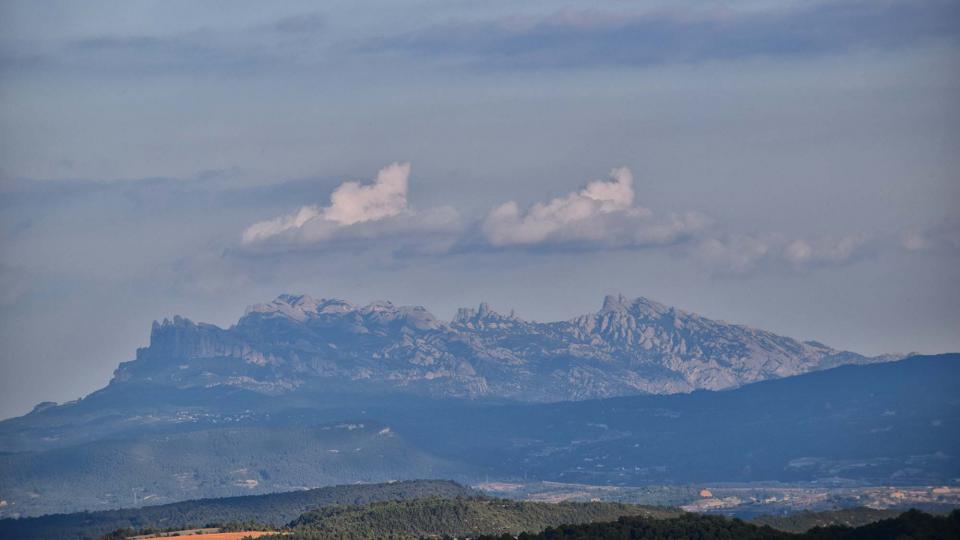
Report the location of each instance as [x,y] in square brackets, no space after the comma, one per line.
[224,460]
[847,517]
[912,525]
[454,517]
[894,423]
[275,509]
[497,519]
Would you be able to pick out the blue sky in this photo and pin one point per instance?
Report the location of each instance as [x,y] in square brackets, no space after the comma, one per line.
[788,165]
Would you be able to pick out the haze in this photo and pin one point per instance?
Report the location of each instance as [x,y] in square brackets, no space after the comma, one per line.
[164,158]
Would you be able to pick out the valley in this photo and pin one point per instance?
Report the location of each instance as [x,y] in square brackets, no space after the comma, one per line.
[744,500]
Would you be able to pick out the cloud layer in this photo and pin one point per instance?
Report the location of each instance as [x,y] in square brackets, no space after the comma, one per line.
[602,214]
[746,253]
[944,236]
[688,33]
[356,212]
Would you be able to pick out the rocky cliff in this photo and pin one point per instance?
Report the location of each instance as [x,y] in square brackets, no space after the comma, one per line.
[629,346]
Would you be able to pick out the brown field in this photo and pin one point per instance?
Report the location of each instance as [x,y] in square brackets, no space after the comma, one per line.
[219,535]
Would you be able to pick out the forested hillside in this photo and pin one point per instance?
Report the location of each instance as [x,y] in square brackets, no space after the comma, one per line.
[274,509]
[912,525]
[437,509]
[804,521]
[454,517]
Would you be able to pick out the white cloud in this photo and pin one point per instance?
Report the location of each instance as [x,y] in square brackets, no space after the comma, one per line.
[742,253]
[354,202]
[357,212]
[602,214]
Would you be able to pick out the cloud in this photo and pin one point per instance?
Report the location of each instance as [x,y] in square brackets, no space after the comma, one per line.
[304,23]
[745,253]
[942,237]
[289,41]
[735,254]
[601,215]
[578,38]
[358,212]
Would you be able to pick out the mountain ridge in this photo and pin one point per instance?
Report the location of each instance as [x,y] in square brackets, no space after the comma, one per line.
[629,346]
[852,425]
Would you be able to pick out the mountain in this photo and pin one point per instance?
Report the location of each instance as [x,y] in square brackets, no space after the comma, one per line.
[628,347]
[895,423]
[249,457]
[302,393]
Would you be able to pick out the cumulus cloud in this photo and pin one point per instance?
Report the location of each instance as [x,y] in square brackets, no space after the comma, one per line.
[602,214]
[744,253]
[356,212]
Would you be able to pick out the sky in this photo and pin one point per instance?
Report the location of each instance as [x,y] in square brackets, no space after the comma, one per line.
[789,165]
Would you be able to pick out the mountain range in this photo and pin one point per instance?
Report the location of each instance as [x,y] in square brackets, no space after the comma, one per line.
[627,347]
[303,393]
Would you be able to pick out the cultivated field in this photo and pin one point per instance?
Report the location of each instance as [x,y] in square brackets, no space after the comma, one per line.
[206,535]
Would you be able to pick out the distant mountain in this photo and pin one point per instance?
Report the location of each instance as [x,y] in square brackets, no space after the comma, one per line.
[302,393]
[895,423]
[261,456]
[628,347]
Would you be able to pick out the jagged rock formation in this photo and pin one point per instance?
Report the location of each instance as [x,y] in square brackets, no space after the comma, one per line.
[628,347]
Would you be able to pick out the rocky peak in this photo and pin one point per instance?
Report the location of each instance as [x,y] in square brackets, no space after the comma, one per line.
[630,346]
[637,306]
[183,338]
[167,327]
[328,306]
[634,325]
[42,406]
[648,308]
[484,317]
[384,312]
[464,315]
[614,303]
[300,307]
